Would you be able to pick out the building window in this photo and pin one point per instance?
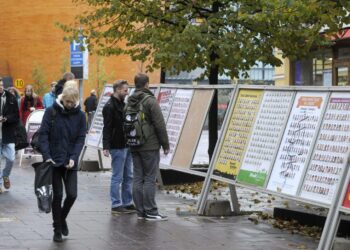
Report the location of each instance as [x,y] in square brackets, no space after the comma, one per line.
[322,68]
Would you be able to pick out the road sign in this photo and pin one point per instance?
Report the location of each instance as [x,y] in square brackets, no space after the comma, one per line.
[19,83]
[79,59]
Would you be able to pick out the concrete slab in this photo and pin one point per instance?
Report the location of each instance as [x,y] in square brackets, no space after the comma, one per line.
[92,226]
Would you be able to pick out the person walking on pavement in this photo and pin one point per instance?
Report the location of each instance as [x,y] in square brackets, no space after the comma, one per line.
[9,117]
[29,102]
[114,144]
[50,97]
[61,138]
[147,156]
[68,76]
[90,107]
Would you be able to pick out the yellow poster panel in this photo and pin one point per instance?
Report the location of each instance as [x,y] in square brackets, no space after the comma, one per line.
[238,133]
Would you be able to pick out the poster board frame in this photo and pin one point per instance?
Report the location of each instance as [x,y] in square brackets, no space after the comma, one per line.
[312,145]
[194,87]
[201,125]
[279,140]
[210,176]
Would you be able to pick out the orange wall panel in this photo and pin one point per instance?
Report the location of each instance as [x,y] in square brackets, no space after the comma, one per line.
[29,37]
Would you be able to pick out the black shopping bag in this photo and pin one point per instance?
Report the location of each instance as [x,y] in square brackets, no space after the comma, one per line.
[43,185]
[21,136]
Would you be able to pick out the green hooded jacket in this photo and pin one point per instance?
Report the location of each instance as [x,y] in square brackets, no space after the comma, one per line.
[157,136]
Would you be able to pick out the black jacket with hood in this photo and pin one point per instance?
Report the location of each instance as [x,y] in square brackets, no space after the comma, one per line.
[62,136]
[11,113]
[113,132]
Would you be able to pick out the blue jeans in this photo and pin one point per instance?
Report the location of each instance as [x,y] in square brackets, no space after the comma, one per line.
[8,152]
[122,174]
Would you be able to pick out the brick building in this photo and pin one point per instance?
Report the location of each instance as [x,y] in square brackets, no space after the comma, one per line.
[30,40]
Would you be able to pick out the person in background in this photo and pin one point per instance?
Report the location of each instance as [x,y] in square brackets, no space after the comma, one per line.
[114,143]
[9,117]
[29,103]
[16,93]
[61,139]
[147,156]
[68,76]
[90,107]
[50,97]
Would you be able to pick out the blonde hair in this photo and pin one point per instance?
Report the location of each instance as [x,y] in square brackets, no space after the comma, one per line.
[71,83]
[70,93]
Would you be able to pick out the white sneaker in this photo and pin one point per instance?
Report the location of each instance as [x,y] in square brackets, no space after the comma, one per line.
[157,217]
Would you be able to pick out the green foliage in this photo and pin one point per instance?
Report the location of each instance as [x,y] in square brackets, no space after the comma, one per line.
[98,76]
[64,66]
[39,82]
[228,36]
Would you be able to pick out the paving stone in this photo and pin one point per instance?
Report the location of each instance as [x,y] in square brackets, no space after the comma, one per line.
[92,226]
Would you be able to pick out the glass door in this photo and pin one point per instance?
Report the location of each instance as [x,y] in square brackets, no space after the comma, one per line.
[342,74]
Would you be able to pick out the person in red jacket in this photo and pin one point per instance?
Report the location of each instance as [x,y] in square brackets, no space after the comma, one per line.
[29,102]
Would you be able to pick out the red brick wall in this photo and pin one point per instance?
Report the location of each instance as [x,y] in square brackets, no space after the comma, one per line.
[28,37]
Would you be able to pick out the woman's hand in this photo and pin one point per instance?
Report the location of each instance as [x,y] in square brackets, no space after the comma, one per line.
[32,109]
[50,160]
[70,164]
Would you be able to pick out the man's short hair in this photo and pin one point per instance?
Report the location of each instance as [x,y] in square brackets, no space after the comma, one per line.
[119,84]
[141,80]
[68,76]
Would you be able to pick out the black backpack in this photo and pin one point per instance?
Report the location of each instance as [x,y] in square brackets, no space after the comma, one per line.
[136,126]
[35,138]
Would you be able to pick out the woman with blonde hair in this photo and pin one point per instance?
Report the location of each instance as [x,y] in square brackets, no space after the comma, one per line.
[62,137]
[29,102]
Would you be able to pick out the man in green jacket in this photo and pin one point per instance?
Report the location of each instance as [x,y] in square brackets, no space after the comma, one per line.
[146,157]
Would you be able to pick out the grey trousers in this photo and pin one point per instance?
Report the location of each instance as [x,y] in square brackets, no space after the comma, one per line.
[146,165]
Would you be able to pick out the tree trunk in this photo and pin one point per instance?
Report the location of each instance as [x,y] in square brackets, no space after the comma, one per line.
[213,112]
[162,75]
[213,80]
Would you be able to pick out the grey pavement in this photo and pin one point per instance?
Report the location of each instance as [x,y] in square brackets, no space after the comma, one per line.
[92,226]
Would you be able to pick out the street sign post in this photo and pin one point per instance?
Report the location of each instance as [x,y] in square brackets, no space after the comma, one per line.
[79,63]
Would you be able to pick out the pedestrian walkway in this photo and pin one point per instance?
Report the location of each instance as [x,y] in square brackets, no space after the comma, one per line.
[93,227]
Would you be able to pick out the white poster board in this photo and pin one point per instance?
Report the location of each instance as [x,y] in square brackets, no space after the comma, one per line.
[176,121]
[94,137]
[264,142]
[297,142]
[330,153]
[32,125]
[165,99]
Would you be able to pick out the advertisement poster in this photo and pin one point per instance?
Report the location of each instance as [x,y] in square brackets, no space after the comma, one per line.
[32,128]
[297,141]
[267,132]
[94,136]
[238,133]
[330,153]
[346,202]
[165,100]
[176,121]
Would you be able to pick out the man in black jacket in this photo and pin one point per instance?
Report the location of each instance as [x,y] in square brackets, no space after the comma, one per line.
[60,84]
[9,117]
[114,144]
[90,107]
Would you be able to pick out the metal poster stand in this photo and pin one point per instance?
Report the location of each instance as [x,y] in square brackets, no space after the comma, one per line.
[336,207]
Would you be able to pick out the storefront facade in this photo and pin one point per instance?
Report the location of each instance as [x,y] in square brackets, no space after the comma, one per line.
[325,67]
